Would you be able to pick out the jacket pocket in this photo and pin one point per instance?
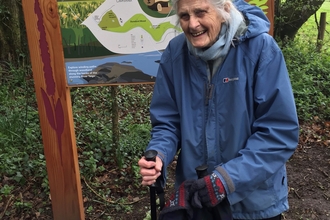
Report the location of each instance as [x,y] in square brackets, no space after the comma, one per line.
[262,198]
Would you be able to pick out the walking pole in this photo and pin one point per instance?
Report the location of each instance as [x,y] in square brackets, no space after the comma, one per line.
[150,155]
[201,171]
[220,212]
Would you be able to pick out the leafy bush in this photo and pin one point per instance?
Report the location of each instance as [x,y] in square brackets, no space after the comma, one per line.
[92,109]
[20,137]
[310,78]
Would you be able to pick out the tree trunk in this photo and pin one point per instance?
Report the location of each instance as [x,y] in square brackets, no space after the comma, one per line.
[13,42]
[291,15]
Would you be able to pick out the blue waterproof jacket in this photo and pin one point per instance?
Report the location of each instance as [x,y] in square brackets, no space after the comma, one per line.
[242,123]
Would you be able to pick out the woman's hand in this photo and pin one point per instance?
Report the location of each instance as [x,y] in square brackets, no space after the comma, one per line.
[150,170]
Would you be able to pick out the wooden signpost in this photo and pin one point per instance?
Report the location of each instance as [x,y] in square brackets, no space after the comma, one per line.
[54,106]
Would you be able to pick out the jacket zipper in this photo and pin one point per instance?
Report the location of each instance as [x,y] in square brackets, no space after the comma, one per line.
[209,91]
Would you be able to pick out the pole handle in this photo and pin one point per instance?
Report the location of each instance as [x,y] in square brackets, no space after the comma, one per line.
[150,155]
[201,171]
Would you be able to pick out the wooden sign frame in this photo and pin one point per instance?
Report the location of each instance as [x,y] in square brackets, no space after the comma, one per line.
[54,106]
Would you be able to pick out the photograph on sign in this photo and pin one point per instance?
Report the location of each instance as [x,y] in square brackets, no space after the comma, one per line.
[114,41]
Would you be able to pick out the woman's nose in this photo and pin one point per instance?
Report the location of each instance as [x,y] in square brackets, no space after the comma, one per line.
[193,22]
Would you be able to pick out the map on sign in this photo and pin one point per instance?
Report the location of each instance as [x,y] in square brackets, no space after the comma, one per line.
[125,28]
[118,41]
[115,41]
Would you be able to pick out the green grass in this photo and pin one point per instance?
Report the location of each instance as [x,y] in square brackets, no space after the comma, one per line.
[309,69]
[308,31]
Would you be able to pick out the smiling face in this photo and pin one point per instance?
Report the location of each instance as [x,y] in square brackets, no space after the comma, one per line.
[199,21]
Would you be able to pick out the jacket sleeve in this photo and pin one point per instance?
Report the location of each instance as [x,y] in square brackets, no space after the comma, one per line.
[275,129]
[165,119]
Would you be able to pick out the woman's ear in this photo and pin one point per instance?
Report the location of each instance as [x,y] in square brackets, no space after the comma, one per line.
[227,7]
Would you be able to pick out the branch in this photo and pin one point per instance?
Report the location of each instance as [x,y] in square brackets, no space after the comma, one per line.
[6,207]
[107,200]
[317,22]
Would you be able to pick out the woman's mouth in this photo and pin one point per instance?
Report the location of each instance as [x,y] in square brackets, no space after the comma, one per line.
[198,33]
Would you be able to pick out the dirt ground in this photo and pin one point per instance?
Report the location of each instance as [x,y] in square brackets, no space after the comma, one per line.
[308,175]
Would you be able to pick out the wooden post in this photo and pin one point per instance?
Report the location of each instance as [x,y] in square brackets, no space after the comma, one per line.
[323,23]
[321,31]
[54,106]
[270,15]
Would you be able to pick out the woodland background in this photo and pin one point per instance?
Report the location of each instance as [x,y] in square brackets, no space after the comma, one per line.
[109,172]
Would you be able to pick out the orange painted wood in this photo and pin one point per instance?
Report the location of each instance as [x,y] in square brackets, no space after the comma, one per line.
[271,15]
[54,106]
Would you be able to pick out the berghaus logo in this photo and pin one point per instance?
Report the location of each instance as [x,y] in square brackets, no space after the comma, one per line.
[227,80]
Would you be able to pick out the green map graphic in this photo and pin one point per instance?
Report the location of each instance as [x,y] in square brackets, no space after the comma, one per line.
[110,22]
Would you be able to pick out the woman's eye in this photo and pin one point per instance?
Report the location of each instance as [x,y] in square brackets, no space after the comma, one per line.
[200,13]
[184,17]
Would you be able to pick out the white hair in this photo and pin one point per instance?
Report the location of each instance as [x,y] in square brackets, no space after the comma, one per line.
[220,5]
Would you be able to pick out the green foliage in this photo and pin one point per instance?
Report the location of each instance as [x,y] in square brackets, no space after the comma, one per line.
[92,108]
[20,137]
[309,72]
[6,190]
[23,206]
[290,16]
[4,13]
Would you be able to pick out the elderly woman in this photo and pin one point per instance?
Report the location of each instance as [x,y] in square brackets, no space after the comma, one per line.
[223,98]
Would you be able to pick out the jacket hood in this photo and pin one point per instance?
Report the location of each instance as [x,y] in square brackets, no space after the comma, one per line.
[256,19]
